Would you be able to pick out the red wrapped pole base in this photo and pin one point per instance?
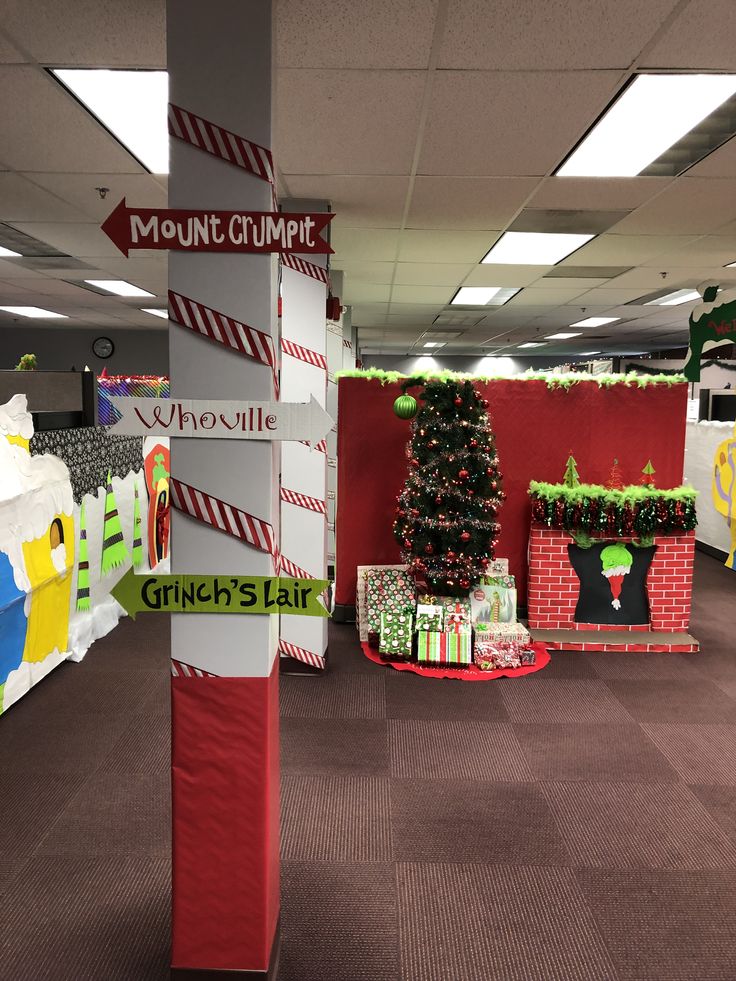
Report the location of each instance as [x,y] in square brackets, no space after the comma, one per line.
[225,810]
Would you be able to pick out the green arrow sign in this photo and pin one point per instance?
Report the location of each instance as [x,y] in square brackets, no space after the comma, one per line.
[219,594]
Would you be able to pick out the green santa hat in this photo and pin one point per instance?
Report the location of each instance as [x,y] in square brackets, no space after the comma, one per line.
[137,539]
[114,550]
[83,568]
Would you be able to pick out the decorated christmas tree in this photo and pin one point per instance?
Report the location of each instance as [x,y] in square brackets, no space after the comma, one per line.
[615,480]
[572,477]
[446,514]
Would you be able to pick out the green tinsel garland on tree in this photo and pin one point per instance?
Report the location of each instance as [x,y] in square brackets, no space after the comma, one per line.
[633,511]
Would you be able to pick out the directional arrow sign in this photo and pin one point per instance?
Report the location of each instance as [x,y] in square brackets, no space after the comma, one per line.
[219,594]
[216,231]
[305,421]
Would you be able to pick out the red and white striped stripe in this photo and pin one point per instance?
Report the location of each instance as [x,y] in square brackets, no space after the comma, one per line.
[217,326]
[301,654]
[220,142]
[321,446]
[224,517]
[294,571]
[348,344]
[306,267]
[305,354]
[181,670]
[303,501]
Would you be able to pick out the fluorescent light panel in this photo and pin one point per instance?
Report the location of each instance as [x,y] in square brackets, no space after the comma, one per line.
[156,312]
[475,296]
[595,321]
[674,299]
[533,344]
[131,104]
[534,248]
[119,287]
[652,114]
[9,252]
[434,344]
[589,354]
[562,336]
[730,265]
[36,312]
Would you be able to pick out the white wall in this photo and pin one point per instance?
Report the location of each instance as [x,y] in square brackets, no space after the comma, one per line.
[701,441]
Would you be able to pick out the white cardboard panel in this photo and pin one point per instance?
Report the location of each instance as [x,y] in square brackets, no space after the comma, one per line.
[701,442]
[303,470]
[303,309]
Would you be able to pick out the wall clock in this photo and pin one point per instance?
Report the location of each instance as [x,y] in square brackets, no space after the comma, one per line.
[103,347]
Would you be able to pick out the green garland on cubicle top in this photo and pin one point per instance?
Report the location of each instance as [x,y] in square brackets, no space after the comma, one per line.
[566,381]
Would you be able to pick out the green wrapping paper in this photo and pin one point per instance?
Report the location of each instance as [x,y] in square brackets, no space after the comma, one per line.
[387,590]
[396,634]
[440,647]
[430,617]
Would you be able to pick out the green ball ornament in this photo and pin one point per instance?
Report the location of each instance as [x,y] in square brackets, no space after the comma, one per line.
[405,407]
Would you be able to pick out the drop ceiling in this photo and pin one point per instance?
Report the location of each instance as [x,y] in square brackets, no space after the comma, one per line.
[432,126]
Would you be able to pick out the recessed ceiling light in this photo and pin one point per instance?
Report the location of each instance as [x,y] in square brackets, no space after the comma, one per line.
[163,313]
[9,252]
[476,296]
[35,312]
[132,105]
[652,114]
[674,299]
[595,321]
[433,344]
[118,286]
[563,336]
[534,248]
[533,344]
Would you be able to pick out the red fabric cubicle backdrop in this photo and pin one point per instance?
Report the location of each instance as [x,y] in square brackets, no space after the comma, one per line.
[536,428]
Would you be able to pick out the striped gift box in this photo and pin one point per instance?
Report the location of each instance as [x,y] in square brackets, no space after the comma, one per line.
[439,647]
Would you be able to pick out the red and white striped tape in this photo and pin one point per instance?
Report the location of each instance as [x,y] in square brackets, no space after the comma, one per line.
[305,354]
[181,670]
[301,654]
[294,571]
[306,267]
[348,344]
[321,446]
[217,326]
[303,501]
[224,517]
[220,142]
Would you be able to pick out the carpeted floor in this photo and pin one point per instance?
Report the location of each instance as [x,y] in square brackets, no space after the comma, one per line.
[575,825]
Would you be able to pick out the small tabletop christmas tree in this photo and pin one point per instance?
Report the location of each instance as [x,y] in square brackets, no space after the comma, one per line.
[446,514]
[615,480]
[647,474]
[571,478]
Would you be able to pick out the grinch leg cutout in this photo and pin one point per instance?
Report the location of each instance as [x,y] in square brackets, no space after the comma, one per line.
[616,561]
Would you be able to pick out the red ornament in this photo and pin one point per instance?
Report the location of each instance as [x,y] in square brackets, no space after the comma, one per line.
[414,462]
[407,543]
[494,485]
[465,583]
[484,562]
[429,549]
[463,475]
[470,492]
[450,556]
[438,500]
[465,537]
[473,443]
[458,401]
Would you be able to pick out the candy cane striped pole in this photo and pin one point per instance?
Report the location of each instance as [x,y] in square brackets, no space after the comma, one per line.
[303,501]
[303,353]
[221,142]
[304,266]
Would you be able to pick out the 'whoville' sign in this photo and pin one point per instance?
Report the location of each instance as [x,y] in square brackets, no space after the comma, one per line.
[712,324]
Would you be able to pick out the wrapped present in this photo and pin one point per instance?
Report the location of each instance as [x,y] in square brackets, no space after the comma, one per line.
[497,567]
[430,617]
[441,647]
[386,590]
[498,579]
[501,632]
[493,603]
[528,657]
[457,620]
[495,656]
[449,604]
[396,634]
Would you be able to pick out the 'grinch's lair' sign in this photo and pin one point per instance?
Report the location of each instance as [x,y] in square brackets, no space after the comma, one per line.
[712,324]
[216,231]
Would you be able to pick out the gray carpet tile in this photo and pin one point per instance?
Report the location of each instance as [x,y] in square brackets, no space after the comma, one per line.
[646,666]
[338,923]
[699,753]
[456,751]
[114,814]
[144,746]
[64,744]
[335,747]
[570,664]
[666,926]
[346,696]
[88,919]
[727,685]
[409,696]
[534,699]
[473,821]
[592,752]
[142,645]
[344,655]
[644,826]
[674,701]
[497,923]
[720,802]
[335,819]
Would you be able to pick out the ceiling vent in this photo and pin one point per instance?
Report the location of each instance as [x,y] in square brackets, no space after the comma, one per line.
[571,221]
[587,272]
[26,245]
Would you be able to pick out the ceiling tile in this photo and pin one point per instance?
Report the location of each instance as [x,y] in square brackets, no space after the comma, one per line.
[75,238]
[467,202]
[579,283]
[431,273]
[689,206]
[319,130]
[606,297]
[369,34]
[363,271]
[494,274]
[515,119]
[591,193]
[532,296]
[24,200]
[720,163]
[422,294]
[610,249]
[444,246]
[521,34]
[369,202]
[357,292]
[710,250]
[700,37]
[80,190]
[58,135]
[365,243]
[90,33]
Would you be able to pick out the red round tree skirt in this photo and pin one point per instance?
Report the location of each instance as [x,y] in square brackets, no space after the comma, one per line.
[470,673]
